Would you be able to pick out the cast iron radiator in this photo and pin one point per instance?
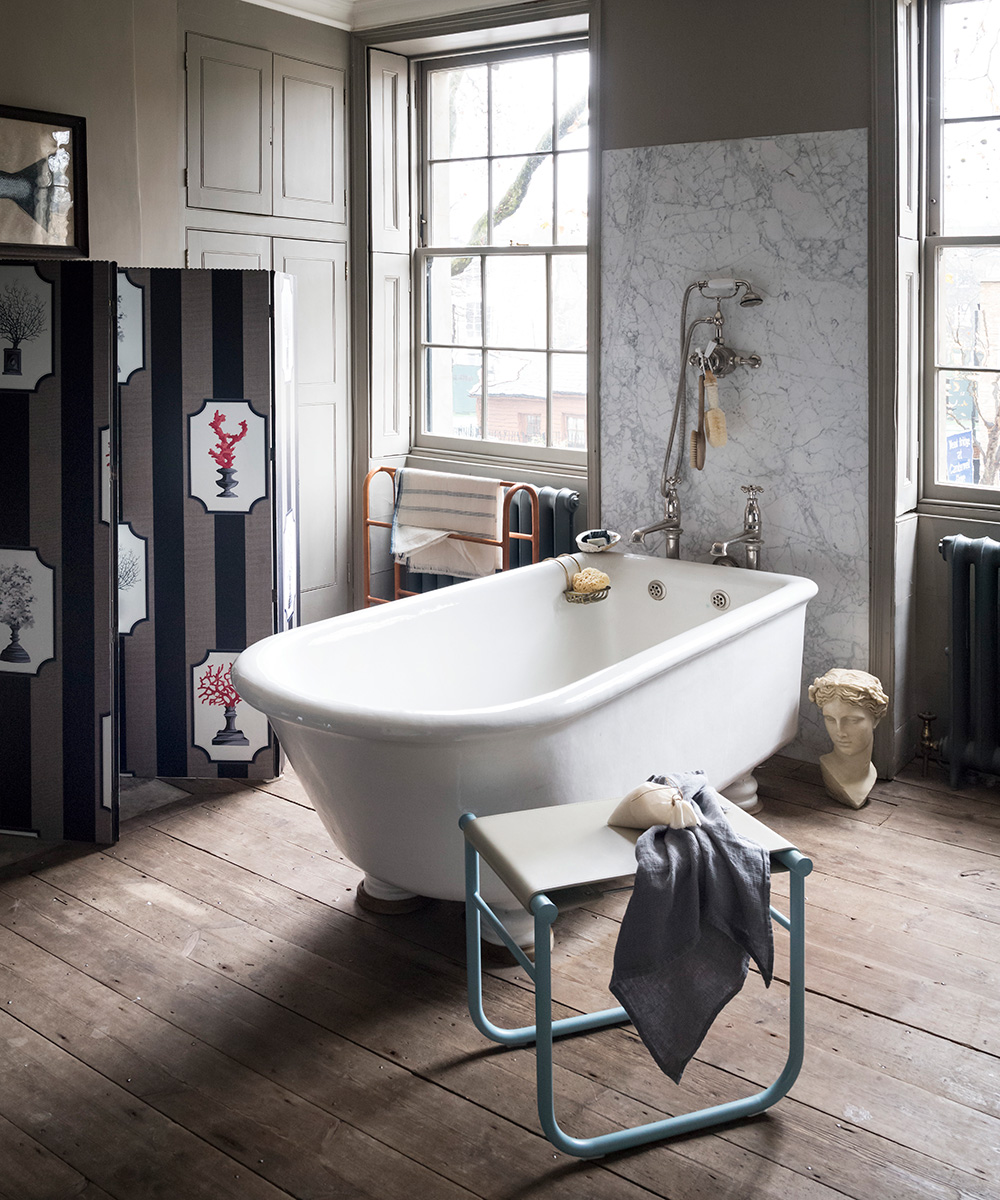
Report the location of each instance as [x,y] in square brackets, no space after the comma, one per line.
[557,509]
[974,656]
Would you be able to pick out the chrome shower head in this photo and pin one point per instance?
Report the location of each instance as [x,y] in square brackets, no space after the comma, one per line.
[728,289]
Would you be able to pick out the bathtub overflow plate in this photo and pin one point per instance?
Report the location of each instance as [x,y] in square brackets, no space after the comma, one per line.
[656,590]
[720,601]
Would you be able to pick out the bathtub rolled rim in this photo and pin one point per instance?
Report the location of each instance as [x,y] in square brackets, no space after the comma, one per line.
[546,709]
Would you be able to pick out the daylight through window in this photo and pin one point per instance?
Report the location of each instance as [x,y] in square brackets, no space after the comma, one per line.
[501,272]
[964,243]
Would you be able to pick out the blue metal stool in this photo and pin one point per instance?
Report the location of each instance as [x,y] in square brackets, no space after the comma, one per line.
[548,852]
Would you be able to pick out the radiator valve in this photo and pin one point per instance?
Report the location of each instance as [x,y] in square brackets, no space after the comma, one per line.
[927,747]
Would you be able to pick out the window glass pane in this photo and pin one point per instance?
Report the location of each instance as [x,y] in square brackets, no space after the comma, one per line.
[454,401]
[458,204]
[569,401]
[572,112]
[515,301]
[968,313]
[454,301]
[516,397]
[967,419]
[571,219]
[501,324]
[569,301]
[970,63]
[970,156]
[522,106]
[522,201]
[457,117]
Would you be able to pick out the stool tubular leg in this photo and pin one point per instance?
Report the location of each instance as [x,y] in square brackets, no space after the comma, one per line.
[733,1110]
[525,1034]
[474,961]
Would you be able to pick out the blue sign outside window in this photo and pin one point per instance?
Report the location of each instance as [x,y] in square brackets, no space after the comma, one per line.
[959,458]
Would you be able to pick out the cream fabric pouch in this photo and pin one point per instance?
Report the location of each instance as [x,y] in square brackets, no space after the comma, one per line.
[652,804]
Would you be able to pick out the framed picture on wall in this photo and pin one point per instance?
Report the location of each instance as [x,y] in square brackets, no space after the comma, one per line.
[43,184]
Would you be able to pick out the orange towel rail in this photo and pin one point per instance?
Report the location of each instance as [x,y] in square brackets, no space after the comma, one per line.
[507,535]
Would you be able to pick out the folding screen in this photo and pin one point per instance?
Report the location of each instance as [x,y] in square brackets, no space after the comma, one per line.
[58,774]
[197,529]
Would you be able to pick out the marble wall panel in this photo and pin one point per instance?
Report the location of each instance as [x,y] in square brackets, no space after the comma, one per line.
[788,213]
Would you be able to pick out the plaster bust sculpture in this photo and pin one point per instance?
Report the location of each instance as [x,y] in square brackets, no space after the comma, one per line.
[852,703]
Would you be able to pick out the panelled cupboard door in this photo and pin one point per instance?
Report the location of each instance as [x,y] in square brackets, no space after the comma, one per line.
[229,91]
[323,418]
[236,251]
[310,163]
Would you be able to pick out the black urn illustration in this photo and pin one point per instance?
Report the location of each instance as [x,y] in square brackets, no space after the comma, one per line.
[16,599]
[22,319]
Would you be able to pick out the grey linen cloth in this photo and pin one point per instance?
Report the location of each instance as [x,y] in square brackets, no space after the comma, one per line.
[699,911]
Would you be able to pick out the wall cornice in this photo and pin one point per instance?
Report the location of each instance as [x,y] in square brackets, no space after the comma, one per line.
[370,14]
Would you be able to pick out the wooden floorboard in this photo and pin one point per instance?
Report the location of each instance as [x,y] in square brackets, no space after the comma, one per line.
[203,1010]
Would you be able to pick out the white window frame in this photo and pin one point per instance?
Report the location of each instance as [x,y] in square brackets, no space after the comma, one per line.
[934,493]
[482,448]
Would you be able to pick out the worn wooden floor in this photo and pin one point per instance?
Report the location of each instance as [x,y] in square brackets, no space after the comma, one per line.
[203,1011]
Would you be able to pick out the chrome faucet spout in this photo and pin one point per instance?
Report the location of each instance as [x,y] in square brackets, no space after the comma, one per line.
[638,536]
[670,525]
[721,548]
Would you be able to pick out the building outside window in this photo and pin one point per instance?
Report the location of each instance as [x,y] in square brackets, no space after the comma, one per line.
[962,353]
[501,267]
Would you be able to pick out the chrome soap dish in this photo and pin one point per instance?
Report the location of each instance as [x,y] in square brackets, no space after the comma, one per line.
[587,585]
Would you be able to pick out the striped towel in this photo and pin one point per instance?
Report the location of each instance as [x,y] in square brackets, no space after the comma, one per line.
[432,504]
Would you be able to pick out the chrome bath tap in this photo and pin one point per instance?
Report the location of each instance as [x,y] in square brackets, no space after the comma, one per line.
[670,525]
[750,537]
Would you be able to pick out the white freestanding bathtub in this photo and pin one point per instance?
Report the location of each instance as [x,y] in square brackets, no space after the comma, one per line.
[498,694]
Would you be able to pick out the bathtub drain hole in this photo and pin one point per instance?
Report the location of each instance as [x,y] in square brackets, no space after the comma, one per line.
[720,600]
[656,590]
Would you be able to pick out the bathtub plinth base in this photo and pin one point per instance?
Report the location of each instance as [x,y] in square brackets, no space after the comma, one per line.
[377,896]
[743,793]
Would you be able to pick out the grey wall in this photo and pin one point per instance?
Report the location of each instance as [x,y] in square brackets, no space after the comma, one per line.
[120,64]
[61,56]
[675,71]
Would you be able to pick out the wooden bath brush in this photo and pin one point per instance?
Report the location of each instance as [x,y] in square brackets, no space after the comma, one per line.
[715,418]
[698,435]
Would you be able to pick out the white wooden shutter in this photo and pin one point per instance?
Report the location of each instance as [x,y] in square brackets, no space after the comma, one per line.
[390,255]
[390,171]
[390,365]
[908,115]
[907,374]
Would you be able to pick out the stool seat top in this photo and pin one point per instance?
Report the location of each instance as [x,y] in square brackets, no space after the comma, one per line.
[568,845]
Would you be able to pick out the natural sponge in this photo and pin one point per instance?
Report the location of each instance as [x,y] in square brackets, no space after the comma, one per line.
[590,580]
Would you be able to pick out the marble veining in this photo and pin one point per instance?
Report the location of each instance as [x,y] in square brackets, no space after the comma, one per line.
[788,213]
